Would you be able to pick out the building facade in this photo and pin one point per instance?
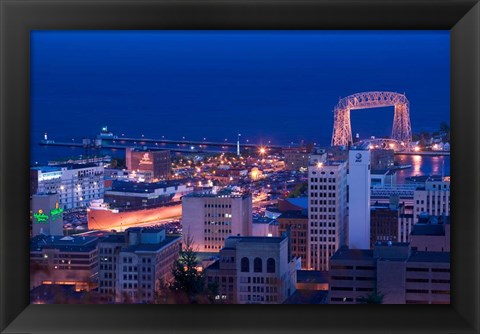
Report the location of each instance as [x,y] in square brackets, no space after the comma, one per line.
[327,212]
[132,267]
[70,260]
[295,224]
[402,274]
[359,199]
[405,226]
[433,199]
[295,158]
[127,194]
[209,219]
[76,184]
[254,270]
[47,215]
[433,237]
[158,162]
[384,220]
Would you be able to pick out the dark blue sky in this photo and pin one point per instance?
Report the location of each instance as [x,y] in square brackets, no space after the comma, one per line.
[268,85]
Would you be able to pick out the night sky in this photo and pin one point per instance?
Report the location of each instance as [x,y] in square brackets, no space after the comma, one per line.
[268,85]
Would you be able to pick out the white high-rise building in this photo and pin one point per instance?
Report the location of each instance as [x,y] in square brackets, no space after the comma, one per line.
[359,199]
[327,212]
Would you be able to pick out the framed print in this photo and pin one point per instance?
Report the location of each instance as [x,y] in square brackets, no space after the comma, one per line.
[237,152]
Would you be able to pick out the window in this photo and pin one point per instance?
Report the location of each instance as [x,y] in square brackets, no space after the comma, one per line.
[257,265]
[245,265]
[270,265]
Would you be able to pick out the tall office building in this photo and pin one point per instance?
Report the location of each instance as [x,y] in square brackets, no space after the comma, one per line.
[209,219]
[359,199]
[327,212]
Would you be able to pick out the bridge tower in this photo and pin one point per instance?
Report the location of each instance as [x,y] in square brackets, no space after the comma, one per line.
[342,128]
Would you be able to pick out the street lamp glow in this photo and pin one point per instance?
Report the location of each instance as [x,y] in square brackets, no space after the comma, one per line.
[417,149]
[319,164]
[262,150]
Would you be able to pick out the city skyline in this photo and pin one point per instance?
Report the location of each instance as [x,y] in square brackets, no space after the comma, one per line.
[257,82]
[200,167]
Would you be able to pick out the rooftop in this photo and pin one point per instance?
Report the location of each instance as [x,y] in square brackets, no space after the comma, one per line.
[312,276]
[428,229]
[113,238]
[262,220]
[220,194]
[47,169]
[299,201]
[151,248]
[141,187]
[352,254]
[64,244]
[437,257]
[77,166]
[293,215]
[271,240]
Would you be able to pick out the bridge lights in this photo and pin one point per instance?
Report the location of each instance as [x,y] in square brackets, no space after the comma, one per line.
[417,149]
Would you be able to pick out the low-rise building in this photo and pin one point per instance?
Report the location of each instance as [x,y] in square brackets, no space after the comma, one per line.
[384,219]
[433,198]
[295,158]
[210,218]
[296,224]
[47,215]
[70,260]
[254,270]
[158,162]
[432,237]
[264,227]
[402,274]
[133,266]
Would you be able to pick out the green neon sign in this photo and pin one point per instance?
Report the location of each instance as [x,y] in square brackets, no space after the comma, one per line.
[40,216]
[55,213]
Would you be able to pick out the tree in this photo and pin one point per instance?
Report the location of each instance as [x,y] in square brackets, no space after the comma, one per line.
[444,127]
[186,277]
[375,297]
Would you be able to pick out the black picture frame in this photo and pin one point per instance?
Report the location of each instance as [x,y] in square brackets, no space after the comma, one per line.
[19,17]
